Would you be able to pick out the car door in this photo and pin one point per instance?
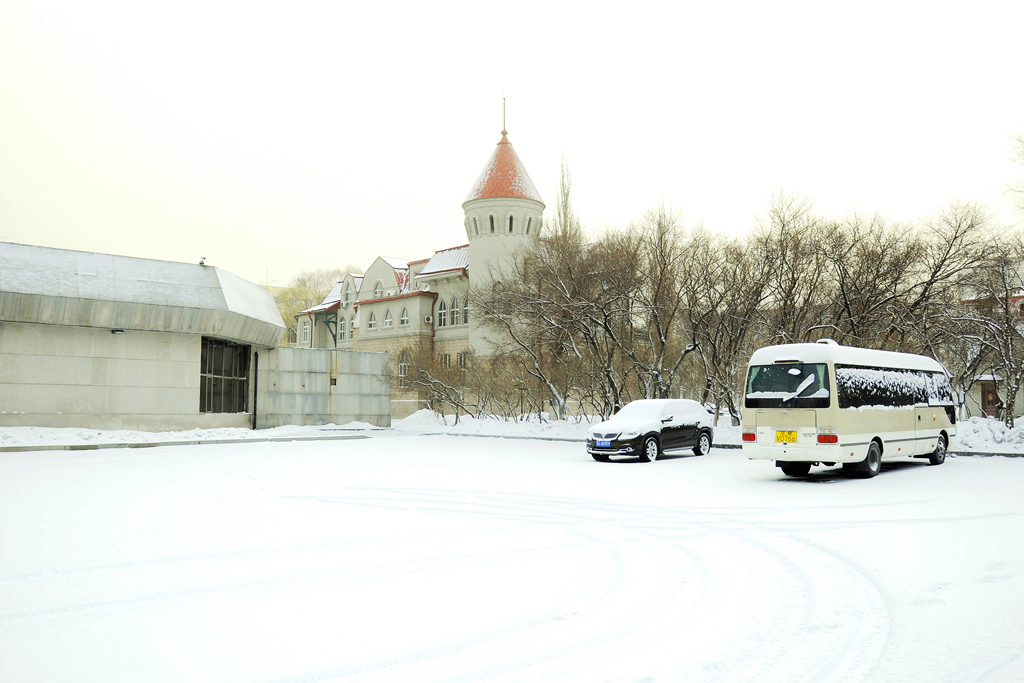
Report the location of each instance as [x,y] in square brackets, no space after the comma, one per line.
[669,428]
[686,418]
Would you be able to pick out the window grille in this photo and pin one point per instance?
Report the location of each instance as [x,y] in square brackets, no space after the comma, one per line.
[223,377]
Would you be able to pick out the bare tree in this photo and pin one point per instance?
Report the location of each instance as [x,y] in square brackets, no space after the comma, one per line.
[992,318]
[305,290]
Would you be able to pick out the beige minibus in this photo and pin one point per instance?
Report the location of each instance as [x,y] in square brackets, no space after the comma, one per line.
[822,403]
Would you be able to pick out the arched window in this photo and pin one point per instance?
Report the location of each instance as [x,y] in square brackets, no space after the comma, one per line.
[404,320]
[378,290]
[442,314]
[341,329]
[492,223]
[511,222]
[387,318]
[371,323]
[456,312]
[529,222]
[476,226]
[348,292]
[465,312]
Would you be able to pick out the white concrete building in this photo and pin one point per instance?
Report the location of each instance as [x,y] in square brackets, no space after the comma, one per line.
[111,342]
[401,306]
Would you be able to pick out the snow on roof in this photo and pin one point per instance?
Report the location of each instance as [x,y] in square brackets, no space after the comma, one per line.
[504,176]
[65,287]
[396,263]
[330,301]
[849,355]
[445,260]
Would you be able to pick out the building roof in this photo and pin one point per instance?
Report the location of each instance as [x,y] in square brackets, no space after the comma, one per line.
[504,176]
[331,302]
[79,288]
[456,258]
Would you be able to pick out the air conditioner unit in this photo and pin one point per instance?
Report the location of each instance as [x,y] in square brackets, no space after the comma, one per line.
[427,319]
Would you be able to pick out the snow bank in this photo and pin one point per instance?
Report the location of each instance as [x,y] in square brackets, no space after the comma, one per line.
[976,435]
[989,435]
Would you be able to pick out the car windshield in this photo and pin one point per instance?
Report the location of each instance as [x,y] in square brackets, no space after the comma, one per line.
[788,385]
[640,410]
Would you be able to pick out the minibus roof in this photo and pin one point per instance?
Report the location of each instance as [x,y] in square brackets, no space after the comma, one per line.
[846,355]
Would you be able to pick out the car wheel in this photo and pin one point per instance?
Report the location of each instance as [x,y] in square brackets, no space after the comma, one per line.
[703,444]
[650,450]
[600,457]
[795,469]
[938,456]
[872,463]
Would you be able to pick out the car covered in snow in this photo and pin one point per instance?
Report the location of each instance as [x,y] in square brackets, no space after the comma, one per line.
[649,427]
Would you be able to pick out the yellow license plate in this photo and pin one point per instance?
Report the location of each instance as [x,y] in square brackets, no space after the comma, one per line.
[785,437]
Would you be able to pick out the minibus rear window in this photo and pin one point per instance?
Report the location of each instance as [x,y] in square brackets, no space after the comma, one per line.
[788,385]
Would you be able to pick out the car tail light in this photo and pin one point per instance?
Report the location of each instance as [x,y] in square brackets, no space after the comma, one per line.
[749,434]
[828,435]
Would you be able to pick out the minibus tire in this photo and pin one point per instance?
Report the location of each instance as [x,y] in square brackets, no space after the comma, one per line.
[872,463]
[938,456]
[795,469]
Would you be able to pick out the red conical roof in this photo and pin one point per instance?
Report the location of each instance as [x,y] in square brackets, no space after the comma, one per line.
[504,176]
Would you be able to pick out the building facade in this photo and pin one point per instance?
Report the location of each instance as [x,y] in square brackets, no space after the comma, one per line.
[424,307]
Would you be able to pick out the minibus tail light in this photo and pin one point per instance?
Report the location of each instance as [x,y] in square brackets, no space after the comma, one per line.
[828,435]
[749,434]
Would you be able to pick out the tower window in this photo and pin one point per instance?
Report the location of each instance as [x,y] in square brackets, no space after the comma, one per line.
[476,227]
[510,223]
[492,223]
[529,221]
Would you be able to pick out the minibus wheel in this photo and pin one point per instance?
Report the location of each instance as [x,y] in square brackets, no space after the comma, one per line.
[938,456]
[795,469]
[872,464]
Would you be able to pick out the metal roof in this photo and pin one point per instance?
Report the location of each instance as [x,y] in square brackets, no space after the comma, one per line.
[78,288]
[445,260]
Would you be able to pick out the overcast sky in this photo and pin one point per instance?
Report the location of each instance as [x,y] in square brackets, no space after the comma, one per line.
[278,137]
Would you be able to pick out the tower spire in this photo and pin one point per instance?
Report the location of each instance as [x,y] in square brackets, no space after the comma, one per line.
[504,130]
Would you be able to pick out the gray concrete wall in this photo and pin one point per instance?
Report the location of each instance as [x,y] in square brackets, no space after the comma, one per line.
[294,387]
[62,376]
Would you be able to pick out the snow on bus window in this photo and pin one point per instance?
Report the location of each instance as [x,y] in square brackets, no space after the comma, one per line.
[859,387]
[940,393]
[788,385]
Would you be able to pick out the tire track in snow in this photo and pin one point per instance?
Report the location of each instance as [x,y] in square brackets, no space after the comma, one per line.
[785,630]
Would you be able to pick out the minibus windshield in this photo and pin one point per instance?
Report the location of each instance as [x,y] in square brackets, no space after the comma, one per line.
[788,385]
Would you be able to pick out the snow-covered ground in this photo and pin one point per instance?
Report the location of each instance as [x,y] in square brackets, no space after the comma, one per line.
[411,554]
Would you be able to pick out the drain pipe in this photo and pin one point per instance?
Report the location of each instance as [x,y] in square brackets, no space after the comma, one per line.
[255,385]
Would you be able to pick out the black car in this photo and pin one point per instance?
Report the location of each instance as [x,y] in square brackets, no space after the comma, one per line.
[650,427]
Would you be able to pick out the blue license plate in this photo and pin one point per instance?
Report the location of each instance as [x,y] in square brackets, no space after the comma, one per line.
[604,443]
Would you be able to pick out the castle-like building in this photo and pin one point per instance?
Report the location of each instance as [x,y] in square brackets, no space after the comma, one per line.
[403,307]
